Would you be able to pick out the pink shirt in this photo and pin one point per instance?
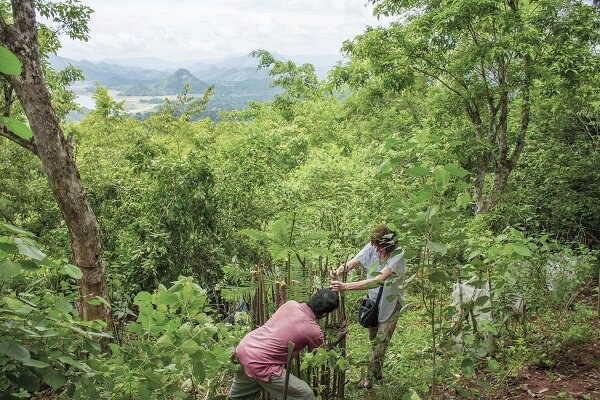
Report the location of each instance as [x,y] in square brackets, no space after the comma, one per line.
[263,352]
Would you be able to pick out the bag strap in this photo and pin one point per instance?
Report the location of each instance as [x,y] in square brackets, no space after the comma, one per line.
[379,295]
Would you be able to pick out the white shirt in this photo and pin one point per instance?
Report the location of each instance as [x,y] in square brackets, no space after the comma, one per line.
[369,259]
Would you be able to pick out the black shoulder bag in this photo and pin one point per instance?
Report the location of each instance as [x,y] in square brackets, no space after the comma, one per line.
[368,312]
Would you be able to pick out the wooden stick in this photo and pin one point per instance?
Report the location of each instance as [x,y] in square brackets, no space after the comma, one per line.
[288,366]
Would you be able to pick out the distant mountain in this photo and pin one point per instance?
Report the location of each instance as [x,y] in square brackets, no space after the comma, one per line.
[173,84]
[110,75]
[237,68]
[236,79]
[181,77]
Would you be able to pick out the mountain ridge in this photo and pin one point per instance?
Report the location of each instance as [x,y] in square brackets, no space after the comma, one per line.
[237,81]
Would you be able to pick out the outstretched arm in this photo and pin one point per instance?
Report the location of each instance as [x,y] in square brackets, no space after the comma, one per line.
[338,286]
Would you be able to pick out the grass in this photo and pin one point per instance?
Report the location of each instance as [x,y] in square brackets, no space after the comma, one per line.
[404,362]
[408,359]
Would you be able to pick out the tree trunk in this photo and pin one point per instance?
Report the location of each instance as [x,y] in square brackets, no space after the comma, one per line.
[57,160]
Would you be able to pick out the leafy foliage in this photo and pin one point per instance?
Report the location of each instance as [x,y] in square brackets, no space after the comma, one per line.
[291,189]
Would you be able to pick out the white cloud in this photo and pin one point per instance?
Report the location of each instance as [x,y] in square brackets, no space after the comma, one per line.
[201,29]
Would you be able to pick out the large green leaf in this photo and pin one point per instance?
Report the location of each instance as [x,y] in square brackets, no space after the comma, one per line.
[143,391]
[26,248]
[35,363]
[481,301]
[521,249]
[14,351]
[14,229]
[417,170]
[467,367]
[198,368]
[412,395]
[442,179]
[463,200]
[73,271]
[12,303]
[456,170]
[9,63]
[166,298]
[7,247]
[98,300]
[9,269]
[17,127]
[74,363]
[424,195]
[55,379]
[63,306]
[493,365]
[437,247]
[190,347]
[438,277]
[142,299]
[385,168]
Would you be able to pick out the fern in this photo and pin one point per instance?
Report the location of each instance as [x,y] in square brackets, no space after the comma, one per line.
[235,274]
[239,293]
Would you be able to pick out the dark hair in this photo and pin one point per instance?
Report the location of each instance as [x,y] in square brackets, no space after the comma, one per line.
[385,238]
[323,302]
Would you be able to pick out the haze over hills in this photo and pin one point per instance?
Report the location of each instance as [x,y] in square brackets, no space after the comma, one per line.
[322,63]
[142,81]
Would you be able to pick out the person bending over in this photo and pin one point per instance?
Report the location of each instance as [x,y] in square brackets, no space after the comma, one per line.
[382,260]
[262,353]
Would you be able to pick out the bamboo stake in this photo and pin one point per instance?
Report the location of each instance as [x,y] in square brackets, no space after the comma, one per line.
[291,346]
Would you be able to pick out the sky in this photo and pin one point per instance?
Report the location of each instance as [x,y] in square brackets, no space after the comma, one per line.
[180,30]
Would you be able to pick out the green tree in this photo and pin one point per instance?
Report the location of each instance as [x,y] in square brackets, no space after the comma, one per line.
[298,82]
[493,57]
[106,107]
[48,141]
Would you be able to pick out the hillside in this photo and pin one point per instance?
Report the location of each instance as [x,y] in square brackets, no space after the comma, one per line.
[111,75]
[171,85]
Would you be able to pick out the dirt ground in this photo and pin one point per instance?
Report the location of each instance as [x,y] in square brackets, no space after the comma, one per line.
[574,375]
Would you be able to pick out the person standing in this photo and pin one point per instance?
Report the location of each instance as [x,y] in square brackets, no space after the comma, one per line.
[383,261]
[262,353]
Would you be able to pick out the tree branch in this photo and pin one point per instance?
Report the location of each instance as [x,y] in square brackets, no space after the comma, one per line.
[437,78]
[28,144]
[442,70]
[525,107]
[492,108]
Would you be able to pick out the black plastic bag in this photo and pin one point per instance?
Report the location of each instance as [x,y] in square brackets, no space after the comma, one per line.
[368,314]
[368,311]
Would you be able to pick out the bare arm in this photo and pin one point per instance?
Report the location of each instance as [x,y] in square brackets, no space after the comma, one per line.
[338,286]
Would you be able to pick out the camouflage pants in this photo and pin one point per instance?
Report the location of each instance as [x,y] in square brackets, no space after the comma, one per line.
[380,337]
